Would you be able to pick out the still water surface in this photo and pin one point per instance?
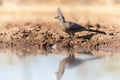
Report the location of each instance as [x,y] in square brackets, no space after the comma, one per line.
[59,67]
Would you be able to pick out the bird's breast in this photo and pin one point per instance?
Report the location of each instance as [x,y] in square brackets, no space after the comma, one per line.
[63,27]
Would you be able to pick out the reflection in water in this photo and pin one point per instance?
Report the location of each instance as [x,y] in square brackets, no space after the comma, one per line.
[72,67]
[62,65]
[71,62]
[26,49]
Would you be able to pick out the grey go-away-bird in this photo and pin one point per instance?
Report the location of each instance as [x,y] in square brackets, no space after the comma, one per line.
[70,27]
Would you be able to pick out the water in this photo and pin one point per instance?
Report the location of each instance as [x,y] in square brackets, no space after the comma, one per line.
[59,67]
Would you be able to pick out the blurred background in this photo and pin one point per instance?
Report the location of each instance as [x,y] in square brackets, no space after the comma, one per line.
[65,2]
[81,11]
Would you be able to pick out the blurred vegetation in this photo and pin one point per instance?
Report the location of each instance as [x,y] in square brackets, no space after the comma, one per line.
[2,2]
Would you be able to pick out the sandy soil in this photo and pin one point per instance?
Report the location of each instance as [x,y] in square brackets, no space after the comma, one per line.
[28,31]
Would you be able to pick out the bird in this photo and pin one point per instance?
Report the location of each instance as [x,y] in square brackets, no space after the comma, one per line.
[71,27]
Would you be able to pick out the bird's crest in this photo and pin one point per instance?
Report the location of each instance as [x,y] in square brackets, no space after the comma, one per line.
[59,11]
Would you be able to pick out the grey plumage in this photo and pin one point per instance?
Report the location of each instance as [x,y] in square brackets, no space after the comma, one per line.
[70,27]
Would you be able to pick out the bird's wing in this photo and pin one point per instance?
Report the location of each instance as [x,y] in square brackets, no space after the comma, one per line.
[74,26]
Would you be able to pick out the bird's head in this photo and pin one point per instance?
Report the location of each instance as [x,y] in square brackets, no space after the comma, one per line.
[59,15]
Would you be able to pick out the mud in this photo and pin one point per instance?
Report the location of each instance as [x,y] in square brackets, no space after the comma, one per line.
[32,36]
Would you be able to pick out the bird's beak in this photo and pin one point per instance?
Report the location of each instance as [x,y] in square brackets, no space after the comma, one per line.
[56,17]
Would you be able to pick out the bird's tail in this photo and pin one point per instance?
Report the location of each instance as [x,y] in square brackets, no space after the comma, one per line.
[97,31]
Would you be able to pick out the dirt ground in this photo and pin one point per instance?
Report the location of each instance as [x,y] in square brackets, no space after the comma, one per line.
[36,30]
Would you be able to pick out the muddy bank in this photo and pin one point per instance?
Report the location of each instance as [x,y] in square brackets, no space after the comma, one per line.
[45,35]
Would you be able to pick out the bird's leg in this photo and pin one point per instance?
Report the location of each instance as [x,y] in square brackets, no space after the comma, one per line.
[71,36]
